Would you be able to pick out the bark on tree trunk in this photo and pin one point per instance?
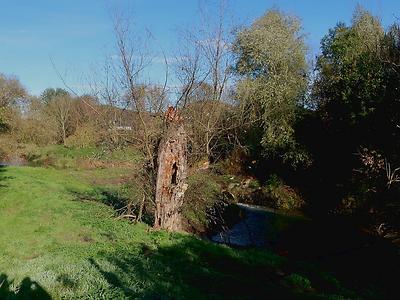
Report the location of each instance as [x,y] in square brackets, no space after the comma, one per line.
[171,176]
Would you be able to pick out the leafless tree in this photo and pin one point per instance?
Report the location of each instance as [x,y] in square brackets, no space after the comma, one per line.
[60,109]
[203,71]
[10,90]
[128,95]
[133,57]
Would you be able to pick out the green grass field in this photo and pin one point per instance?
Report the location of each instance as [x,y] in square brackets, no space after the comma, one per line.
[55,246]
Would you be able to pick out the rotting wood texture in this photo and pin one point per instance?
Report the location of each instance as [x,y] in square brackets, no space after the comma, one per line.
[172,173]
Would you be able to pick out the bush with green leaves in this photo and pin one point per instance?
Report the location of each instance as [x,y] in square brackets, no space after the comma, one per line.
[202,194]
[282,195]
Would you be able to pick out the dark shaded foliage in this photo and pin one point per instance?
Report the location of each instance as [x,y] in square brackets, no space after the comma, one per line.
[203,271]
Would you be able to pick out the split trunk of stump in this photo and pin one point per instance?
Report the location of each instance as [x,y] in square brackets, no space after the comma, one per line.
[171,176]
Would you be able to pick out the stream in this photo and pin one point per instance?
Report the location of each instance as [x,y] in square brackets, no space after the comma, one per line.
[294,235]
[14,161]
[251,231]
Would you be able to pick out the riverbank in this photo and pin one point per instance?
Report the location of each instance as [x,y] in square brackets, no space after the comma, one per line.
[255,226]
[335,243]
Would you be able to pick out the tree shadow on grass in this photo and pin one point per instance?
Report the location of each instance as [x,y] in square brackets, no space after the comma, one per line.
[195,269]
[114,199]
[3,177]
[27,290]
[110,198]
[366,263]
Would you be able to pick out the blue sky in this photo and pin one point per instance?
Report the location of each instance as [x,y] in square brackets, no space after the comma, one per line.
[77,34]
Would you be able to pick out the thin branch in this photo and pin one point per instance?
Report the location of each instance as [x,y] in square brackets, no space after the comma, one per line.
[68,87]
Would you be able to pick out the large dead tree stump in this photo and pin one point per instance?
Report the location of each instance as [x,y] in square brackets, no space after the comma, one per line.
[171,176]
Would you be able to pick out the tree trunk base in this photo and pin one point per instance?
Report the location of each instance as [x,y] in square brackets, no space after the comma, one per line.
[171,176]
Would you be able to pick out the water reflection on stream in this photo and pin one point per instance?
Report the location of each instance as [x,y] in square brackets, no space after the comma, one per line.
[252,231]
[14,161]
[292,234]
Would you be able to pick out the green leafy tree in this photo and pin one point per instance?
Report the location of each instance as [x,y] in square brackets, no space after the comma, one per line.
[350,73]
[357,95]
[272,65]
[50,93]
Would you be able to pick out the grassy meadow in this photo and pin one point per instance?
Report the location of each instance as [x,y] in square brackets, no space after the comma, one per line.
[58,245]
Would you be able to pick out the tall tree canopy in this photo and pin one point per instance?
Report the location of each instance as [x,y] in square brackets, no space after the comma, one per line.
[272,65]
[357,82]
[357,96]
[350,74]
